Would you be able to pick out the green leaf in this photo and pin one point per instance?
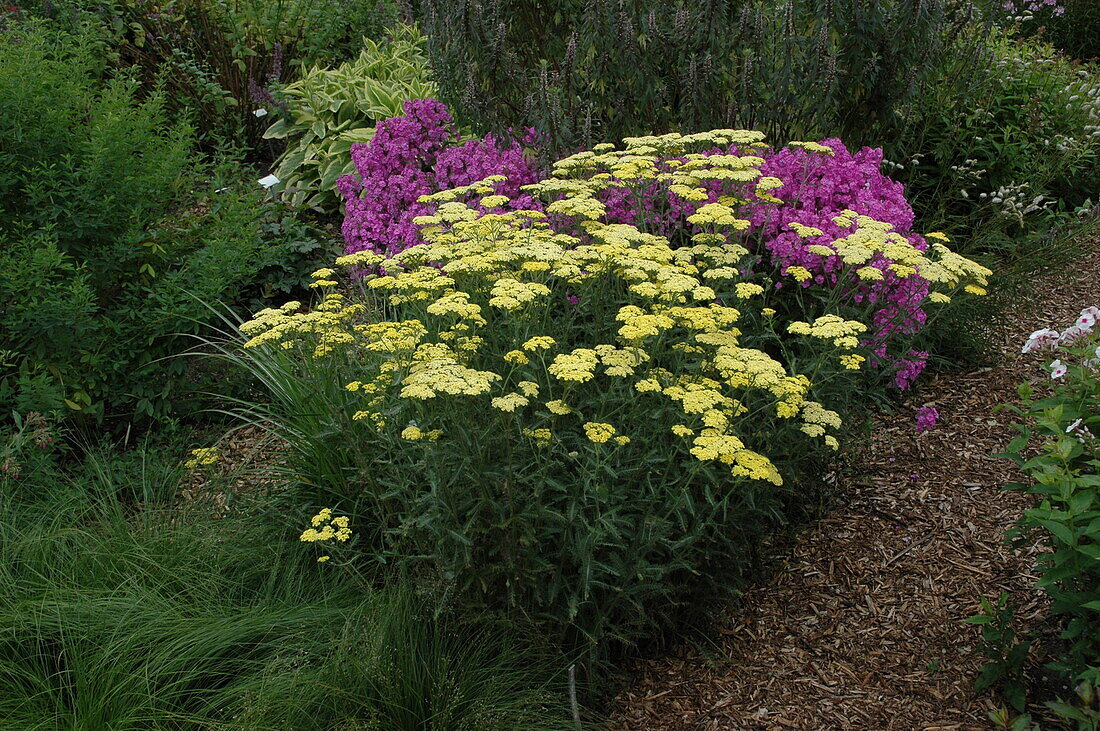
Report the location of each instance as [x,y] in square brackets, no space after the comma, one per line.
[277,131]
[1060,531]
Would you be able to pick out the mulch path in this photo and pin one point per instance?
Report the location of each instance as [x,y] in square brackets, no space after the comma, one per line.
[248,462]
[862,627]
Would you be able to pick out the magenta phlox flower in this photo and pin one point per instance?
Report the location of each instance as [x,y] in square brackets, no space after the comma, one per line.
[927,416]
[415,155]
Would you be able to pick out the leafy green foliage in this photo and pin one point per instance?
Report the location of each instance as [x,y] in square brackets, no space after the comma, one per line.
[1002,142]
[328,110]
[605,70]
[1066,478]
[108,246]
[1007,655]
[1076,32]
[217,59]
[113,616]
[1063,472]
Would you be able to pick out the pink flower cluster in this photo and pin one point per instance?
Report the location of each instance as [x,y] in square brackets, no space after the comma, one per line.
[1047,339]
[816,188]
[927,416]
[414,155]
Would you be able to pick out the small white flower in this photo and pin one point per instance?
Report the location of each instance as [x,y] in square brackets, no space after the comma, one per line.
[1086,321]
[1058,369]
[259,113]
[268,180]
[1073,426]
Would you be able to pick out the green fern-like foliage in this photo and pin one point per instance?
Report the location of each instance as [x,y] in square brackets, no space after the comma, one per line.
[331,109]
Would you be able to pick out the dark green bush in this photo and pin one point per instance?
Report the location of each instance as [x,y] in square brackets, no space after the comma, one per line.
[605,69]
[217,60]
[107,240]
[1077,31]
[1003,141]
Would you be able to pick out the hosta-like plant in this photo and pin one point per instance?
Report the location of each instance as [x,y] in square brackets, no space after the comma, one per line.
[329,110]
[585,421]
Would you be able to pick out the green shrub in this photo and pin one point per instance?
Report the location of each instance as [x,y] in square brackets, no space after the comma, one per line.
[1076,32]
[108,243]
[217,60]
[577,425]
[803,69]
[328,110]
[1002,142]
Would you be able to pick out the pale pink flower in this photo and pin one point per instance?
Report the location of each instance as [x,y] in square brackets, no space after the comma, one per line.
[1039,339]
[1058,369]
[1071,334]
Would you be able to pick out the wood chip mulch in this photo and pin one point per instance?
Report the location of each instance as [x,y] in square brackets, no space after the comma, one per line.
[863,626]
[248,462]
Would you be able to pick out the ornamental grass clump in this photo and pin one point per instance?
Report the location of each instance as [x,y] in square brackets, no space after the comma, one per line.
[578,420]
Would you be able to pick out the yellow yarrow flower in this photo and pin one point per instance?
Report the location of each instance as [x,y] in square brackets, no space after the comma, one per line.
[598,432]
[800,274]
[744,290]
[559,407]
[539,342]
[517,356]
[203,456]
[509,402]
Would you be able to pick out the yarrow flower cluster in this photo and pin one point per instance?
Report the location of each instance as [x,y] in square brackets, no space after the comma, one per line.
[806,199]
[326,528]
[539,313]
[202,457]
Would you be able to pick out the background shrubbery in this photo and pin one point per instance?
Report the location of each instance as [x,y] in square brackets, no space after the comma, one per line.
[112,242]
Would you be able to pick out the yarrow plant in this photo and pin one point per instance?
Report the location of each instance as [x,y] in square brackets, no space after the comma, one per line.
[582,419]
[202,457]
[327,529]
[1065,475]
[590,421]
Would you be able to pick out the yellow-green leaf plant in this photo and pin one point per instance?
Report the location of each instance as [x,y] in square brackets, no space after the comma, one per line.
[328,110]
